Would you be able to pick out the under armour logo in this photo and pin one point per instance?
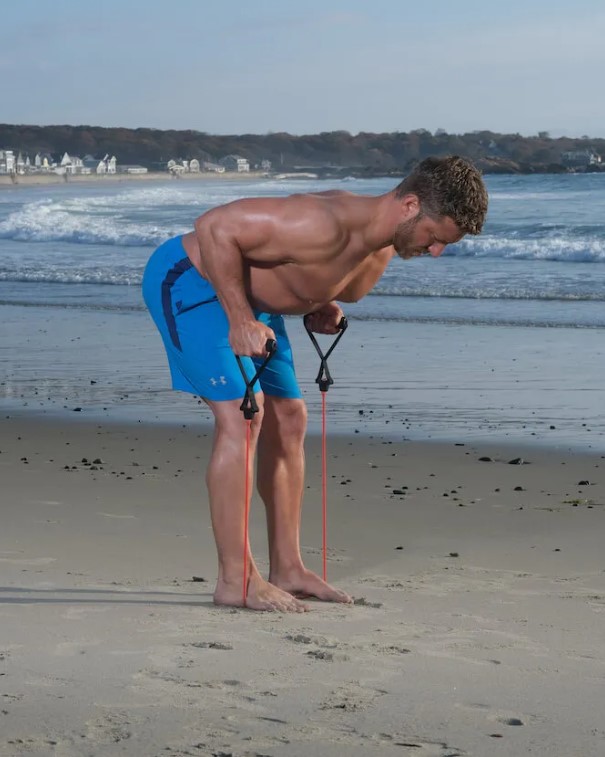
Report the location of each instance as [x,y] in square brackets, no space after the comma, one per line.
[220,380]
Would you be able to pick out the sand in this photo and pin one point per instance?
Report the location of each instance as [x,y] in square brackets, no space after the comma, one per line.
[477,627]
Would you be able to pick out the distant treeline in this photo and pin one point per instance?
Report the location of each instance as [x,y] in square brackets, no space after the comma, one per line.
[328,152]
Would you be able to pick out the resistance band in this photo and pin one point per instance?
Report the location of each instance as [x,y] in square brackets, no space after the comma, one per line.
[325,380]
[249,407]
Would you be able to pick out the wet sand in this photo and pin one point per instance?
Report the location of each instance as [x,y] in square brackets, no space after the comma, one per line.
[477,627]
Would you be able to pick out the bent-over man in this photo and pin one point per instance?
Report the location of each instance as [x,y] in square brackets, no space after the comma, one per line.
[222,289]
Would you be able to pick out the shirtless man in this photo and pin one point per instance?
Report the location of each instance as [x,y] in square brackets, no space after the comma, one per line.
[221,291]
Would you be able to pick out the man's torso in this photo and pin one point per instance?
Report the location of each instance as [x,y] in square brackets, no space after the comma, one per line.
[297,271]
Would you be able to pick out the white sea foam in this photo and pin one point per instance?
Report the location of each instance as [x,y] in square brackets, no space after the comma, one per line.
[544,242]
[489,292]
[73,276]
[94,220]
[56,222]
[564,247]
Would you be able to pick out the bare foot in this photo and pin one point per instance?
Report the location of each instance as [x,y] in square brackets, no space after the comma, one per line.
[261,595]
[305,583]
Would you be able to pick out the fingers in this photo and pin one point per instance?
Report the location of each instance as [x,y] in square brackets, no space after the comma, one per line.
[326,328]
[251,339]
[321,324]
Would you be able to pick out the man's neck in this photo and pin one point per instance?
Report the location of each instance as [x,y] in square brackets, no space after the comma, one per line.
[382,222]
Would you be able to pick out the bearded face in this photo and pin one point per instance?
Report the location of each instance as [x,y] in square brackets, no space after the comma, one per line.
[425,235]
[404,241]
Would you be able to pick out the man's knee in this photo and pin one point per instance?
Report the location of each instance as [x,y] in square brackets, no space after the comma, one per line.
[229,418]
[285,420]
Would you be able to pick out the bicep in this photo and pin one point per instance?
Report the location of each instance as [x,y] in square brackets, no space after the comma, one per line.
[239,224]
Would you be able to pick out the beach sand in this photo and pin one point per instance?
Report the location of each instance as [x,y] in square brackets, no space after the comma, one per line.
[477,627]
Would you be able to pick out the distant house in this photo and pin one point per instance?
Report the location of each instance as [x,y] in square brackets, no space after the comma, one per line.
[71,164]
[92,165]
[132,169]
[212,167]
[7,161]
[265,165]
[98,166]
[578,158]
[184,166]
[175,168]
[235,163]
[43,161]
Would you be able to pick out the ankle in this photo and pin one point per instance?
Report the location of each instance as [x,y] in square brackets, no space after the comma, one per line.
[286,568]
[233,576]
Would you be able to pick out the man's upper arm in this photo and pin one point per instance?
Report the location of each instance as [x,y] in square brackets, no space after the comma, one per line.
[241,224]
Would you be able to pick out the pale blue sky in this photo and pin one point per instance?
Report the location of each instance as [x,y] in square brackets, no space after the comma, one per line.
[304,67]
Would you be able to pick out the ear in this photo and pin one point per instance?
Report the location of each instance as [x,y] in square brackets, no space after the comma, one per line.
[410,206]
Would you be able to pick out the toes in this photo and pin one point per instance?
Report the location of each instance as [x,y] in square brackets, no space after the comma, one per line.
[277,604]
[292,606]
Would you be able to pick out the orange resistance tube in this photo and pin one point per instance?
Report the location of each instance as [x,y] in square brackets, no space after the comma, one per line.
[324,487]
[246,511]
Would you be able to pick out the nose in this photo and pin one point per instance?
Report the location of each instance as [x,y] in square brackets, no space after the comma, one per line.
[436,249]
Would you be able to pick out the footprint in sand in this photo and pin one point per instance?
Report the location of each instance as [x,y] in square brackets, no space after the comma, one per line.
[324,645]
[391,649]
[332,555]
[320,641]
[109,729]
[351,698]
[210,645]
[363,602]
[385,582]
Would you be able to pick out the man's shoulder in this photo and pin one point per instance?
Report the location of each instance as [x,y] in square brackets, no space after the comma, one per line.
[332,193]
[332,204]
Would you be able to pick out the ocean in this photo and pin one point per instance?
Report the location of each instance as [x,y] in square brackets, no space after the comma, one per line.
[501,336]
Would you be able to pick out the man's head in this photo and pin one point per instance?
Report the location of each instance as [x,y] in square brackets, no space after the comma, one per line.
[440,201]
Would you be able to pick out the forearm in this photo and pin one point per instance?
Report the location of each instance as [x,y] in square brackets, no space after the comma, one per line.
[366,277]
[224,267]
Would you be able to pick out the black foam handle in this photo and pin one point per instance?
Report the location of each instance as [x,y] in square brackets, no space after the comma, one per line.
[271,346]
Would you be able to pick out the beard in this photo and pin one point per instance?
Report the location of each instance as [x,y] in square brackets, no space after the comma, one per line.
[403,239]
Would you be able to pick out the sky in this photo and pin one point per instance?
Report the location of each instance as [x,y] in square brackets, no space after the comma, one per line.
[260,66]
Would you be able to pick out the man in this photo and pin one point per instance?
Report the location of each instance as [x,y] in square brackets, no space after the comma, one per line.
[222,290]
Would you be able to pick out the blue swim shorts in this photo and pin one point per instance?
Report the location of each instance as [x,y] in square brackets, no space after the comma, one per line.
[195,332]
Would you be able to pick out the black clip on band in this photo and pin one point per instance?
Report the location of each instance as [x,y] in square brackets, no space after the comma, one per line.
[249,405]
[324,379]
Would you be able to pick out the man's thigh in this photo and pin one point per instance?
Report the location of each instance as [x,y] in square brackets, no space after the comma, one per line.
[278,379]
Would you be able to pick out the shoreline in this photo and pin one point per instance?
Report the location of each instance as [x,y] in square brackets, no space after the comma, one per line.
[364,433]
[515,384]
[13,181]
[478,586]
